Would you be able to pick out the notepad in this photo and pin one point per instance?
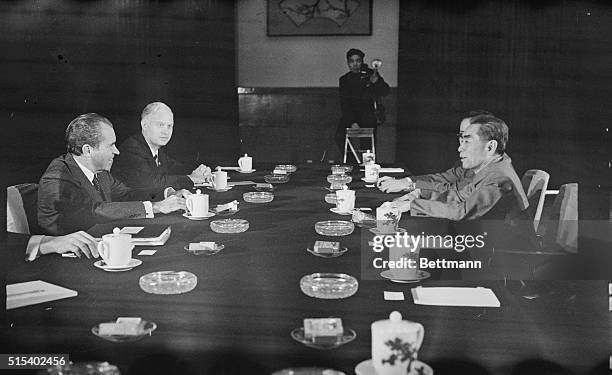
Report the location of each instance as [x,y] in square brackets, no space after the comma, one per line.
[33,292]
[455,296]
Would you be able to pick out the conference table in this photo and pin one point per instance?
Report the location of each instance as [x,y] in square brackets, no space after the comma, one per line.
[247,300]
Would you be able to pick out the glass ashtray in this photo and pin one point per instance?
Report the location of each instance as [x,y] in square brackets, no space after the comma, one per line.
[276,178]
[229,226]
[264,187]
[333,254]
[341,168]
[338,181]
[80,368]
[329,285]
[323,342]
[334,228]
[205,251]
[168,282]
[258,197]
[144,329]
[289,168]
[331,198]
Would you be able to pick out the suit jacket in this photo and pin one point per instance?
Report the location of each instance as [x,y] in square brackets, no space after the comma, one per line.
[441,182]
[136,166]
[357,96]
[473,197]
[68,201]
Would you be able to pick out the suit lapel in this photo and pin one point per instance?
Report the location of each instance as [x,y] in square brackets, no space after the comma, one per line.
[76,171]
[144,146]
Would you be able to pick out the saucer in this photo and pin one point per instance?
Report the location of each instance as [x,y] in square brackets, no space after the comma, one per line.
[251,171]
[326,343]
[133,263]
[328,255]
[337,211]
[418,368]
[220,190]
[421,275]
[188,216]
[375,230]
[368,181]
[218,247]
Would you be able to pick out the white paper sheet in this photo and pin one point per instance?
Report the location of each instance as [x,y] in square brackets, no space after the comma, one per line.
[33,292]
[455,296]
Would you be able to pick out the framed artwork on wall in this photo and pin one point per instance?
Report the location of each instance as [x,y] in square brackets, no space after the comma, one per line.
[319,17]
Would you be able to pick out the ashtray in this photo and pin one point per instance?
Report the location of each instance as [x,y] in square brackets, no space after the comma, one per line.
[276,178]
[333,254]
[341,168]
[323,342]
[289,168]
[338,181]
[229,226]
[144,329]
[331,198]
[168,282]
[334,228]
[258,197]
[89,368]
[204,250]
[329,285]
[264,187]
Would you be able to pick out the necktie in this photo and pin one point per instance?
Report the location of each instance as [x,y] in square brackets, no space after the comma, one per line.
[156,160]
[98,187]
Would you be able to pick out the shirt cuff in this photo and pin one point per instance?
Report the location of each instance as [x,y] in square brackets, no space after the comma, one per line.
[167,192]
[32,250]
[148,206]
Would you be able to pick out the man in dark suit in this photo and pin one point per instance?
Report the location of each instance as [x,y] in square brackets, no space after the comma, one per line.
[77,190]
[143,162]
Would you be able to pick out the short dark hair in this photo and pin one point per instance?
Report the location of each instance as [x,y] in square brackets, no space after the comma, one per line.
[354,51]
[492,129]
[478,112]
[84,130]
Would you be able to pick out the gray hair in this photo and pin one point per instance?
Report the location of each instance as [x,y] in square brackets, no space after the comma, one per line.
[492,129]
[84,130]
[152,108]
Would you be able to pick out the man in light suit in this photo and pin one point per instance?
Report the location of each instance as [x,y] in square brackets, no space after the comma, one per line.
[481,151]
[143,161]
[77,190]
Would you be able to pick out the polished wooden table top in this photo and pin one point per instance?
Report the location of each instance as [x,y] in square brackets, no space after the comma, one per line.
[239,317]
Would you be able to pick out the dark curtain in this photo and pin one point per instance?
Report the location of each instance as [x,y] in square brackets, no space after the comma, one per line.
[543,67]
[63,58]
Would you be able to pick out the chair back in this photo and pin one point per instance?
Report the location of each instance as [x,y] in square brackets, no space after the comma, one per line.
[22,208]
[358,133]
[535,182]
[562,225]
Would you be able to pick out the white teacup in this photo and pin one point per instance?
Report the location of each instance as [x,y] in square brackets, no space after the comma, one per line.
[387,218]
[371,172]
[116,249]
[345,200]
[197,204]
[405,256]
[245,163]
[219,180]
[395,331]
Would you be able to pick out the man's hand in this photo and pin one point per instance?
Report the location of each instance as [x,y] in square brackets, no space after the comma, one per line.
[183,193]
[201,174]
[403,206]
[354,125]
[170,204]
[80,243]
[391,185]
[374,76]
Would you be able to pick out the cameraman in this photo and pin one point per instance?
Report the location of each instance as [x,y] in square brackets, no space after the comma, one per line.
[359,89]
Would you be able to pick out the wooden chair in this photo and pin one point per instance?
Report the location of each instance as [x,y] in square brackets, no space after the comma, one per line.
[358,133]
[535,182]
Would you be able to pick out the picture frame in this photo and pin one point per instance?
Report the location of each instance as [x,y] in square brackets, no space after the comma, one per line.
[319,17]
